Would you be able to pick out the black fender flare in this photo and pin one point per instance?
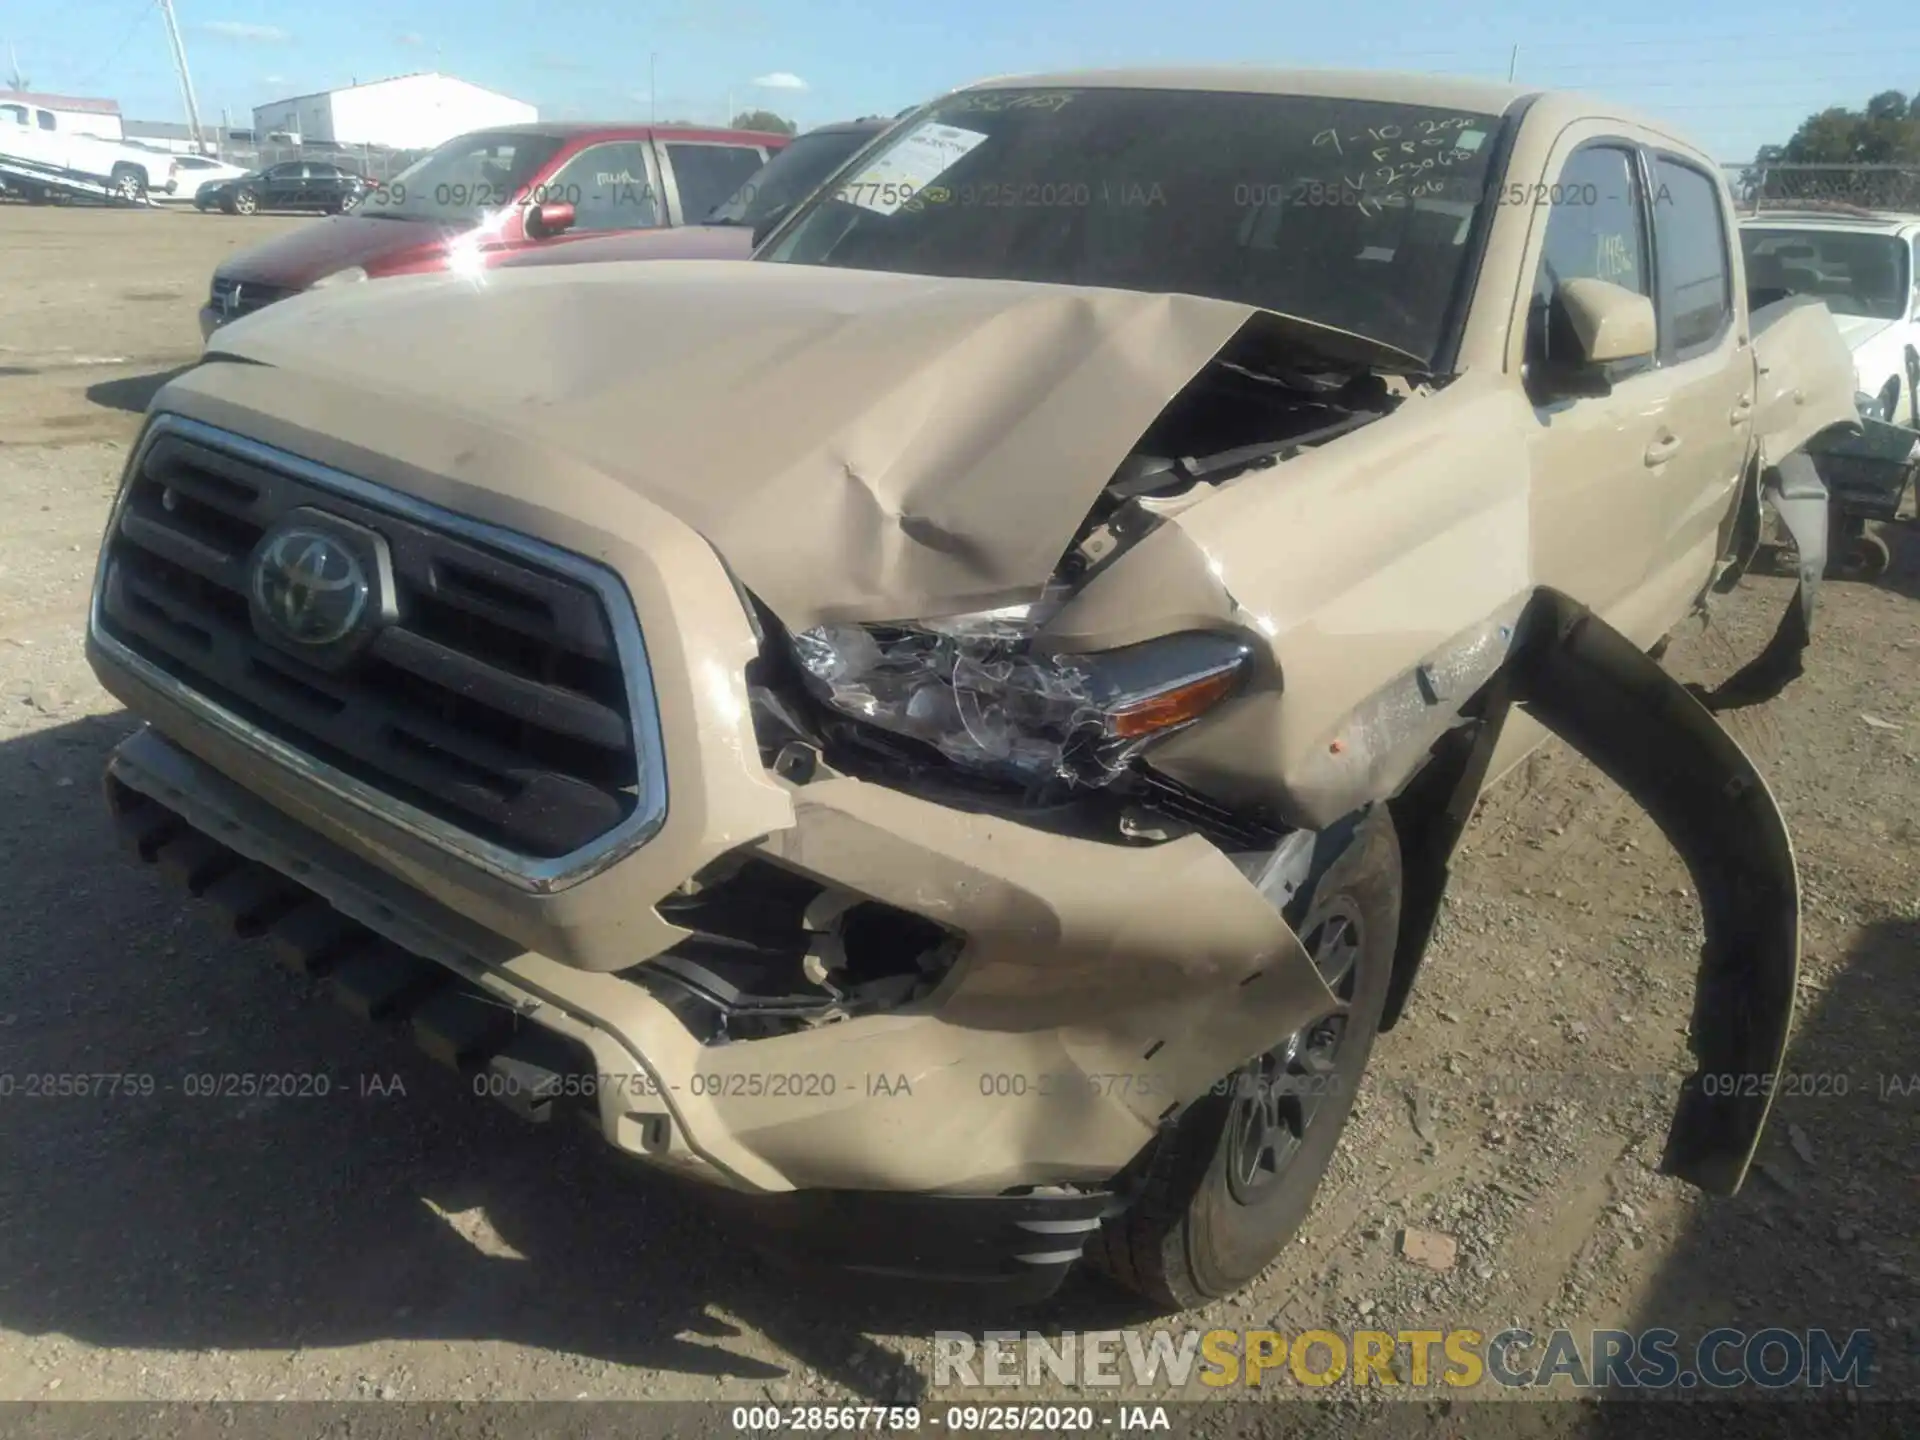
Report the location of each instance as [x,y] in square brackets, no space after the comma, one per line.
[1612,703]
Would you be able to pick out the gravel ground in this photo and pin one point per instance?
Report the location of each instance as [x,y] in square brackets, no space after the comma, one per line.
[400,1239]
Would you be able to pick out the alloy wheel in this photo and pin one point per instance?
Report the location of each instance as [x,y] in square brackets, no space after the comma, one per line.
[1276,1096]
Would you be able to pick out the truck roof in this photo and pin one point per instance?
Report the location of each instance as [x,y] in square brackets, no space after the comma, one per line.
[1484,97]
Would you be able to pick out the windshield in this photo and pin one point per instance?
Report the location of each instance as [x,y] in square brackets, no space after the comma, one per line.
[789,177]
[1855,274]
[466,177]
[1350,213]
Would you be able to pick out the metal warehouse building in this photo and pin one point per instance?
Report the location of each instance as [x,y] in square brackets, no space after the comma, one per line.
[408,112]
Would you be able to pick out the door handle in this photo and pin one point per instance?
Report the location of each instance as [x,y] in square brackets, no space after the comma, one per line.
[1742,408]
[1663,449]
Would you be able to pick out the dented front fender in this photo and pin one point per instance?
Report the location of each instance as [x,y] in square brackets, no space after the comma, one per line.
[1595,689]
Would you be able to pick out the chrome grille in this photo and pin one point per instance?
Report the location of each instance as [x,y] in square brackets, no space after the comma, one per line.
[233,298]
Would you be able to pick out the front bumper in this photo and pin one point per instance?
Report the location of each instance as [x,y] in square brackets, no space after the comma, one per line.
[1049,1057]
[541,1063]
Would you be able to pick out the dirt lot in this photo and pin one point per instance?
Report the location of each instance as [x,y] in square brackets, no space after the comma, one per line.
[425,1245]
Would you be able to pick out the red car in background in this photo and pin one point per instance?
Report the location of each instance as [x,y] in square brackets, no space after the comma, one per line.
[728,231]
[484,196]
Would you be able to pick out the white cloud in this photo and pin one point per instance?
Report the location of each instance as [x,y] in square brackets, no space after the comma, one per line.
[781,80]
[273,79]
[410,38]
[244,30]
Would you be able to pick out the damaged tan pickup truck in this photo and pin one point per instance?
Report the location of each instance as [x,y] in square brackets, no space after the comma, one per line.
[951,732]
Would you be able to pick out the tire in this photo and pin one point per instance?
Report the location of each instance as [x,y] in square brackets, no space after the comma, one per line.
[1195,1231]
[245,202]
[129,184]
[1865,558]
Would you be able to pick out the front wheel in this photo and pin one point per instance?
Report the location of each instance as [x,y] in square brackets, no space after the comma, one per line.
[246,203]
[1226,1189]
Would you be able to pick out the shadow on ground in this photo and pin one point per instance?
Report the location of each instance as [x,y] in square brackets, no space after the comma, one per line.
[132,393]
[1810,1242]
[182,1223]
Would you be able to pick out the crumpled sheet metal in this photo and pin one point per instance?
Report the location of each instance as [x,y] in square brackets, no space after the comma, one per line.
[859,446]
[1805,383]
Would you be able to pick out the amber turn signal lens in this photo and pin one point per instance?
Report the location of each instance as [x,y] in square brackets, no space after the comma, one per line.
[1177,706]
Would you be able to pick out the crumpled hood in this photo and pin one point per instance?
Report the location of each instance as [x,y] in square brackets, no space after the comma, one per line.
[854,445]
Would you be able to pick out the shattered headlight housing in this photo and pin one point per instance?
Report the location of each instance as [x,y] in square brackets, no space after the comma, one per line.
[987,694]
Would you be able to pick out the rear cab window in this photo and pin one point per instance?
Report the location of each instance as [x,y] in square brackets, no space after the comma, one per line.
[1596,230]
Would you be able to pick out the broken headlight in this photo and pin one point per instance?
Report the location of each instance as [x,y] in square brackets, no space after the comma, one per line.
[988,695]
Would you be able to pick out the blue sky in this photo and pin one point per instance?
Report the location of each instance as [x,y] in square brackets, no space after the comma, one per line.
[1735,75]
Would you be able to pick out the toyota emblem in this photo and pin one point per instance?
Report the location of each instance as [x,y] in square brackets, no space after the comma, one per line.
[310,587]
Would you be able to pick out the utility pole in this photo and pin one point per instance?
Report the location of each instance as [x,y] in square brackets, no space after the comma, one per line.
[186,80]
[1513,61]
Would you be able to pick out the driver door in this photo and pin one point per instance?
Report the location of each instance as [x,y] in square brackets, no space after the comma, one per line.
[1596,461]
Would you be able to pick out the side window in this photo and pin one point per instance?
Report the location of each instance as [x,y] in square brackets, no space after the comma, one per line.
[45,117]
[707,175]
[15,112]
[1596,230]
[1690,246]
[607,186]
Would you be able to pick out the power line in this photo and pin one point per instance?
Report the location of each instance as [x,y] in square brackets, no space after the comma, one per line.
[133,28]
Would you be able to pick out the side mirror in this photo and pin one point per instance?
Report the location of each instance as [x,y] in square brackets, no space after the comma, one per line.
[768,223]
[1590,324]
[546,221]
[1606,321]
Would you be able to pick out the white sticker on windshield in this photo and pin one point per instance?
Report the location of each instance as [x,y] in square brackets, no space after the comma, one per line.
[922,156]
[1469,139]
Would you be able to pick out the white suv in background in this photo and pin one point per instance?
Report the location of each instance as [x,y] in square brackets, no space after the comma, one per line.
[1862,264]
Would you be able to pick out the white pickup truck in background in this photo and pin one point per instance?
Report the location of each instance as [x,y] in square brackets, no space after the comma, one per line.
[40,159]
